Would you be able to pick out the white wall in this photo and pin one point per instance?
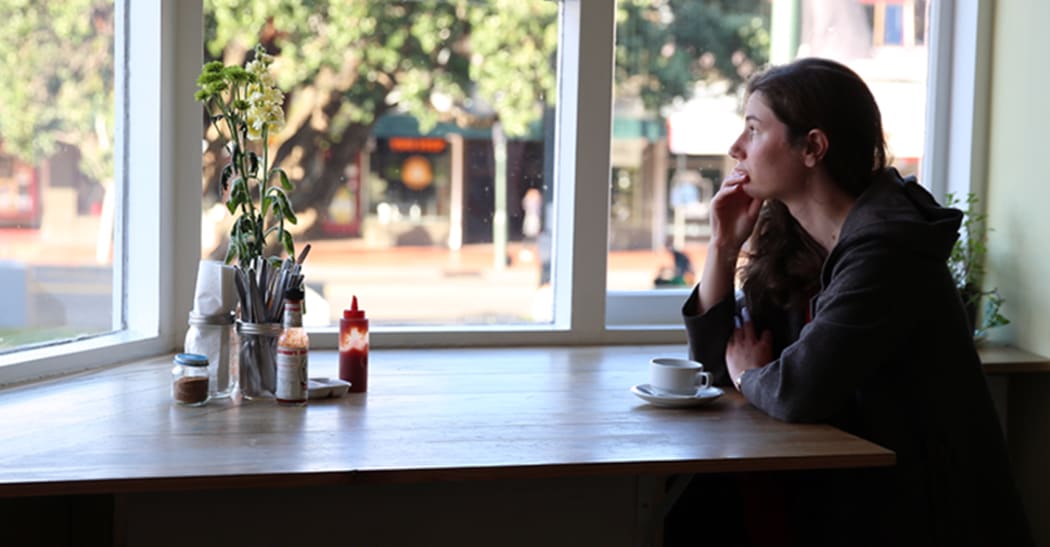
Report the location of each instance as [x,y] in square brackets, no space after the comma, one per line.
[1018,207]
[1018,202]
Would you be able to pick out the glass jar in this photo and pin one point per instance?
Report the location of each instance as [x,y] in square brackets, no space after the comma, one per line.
[257,361]
[189,379]
[213,336]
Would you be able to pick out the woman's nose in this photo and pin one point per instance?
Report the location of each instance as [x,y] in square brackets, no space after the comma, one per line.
[736,151]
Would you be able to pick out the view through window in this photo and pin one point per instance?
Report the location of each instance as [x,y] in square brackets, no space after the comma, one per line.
[680,70]
[56,171]
[419,138]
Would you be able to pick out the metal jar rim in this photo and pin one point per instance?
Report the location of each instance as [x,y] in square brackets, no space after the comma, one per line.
[262,329]
[199,319]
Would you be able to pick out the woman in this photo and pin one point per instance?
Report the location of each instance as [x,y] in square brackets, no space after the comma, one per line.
[849,316]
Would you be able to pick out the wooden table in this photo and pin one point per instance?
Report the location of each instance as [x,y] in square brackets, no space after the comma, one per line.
[523,412]
[1002,359]
[430,415]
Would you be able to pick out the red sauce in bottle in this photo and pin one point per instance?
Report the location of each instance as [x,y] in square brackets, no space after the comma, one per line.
[353,348]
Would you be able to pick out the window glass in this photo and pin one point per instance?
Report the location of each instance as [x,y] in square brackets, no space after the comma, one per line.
[57,172]
[418,136]
[680,69]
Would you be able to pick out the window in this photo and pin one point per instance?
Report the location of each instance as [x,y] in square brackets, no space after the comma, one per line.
[420,141]
[57,175]
[89,293]
[437,201]
[679,93]
[157,227]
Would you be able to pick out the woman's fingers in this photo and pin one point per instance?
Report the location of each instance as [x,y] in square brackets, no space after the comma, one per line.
[735,176]
[747,350]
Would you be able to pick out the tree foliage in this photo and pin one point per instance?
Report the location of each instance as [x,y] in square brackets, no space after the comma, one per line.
[56,62]
[345,64]
[666,46]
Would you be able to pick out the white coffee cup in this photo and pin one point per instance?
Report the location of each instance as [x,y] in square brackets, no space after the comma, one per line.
[675,376]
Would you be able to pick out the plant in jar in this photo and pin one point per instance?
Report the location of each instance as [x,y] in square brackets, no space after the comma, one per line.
[245,106]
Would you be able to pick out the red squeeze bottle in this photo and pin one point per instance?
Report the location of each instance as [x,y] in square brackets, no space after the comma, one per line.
[353,348]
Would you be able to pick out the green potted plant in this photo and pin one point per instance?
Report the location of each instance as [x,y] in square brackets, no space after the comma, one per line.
[966,264]
[245,106]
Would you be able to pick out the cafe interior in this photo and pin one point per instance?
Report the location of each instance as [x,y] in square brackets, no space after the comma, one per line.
[532,438]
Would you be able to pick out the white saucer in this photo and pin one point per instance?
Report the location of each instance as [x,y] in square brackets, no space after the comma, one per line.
[702,396]
[322,388]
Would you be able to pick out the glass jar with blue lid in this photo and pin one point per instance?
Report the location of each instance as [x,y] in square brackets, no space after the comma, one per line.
[189,379]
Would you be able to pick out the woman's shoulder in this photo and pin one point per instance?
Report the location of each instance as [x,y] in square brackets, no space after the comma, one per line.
[897,217]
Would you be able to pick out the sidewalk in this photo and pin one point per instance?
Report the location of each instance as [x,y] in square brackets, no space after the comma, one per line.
[404,285]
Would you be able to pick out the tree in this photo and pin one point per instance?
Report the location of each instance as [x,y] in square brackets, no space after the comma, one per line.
[343,64]
[57,64]
[664,47]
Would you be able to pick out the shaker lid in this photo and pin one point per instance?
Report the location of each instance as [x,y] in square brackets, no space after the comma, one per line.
[191,359]
[294,293]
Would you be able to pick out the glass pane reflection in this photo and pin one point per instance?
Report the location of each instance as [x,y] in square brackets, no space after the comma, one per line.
[418,137]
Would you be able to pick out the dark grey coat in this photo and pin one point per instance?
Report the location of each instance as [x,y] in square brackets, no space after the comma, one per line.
[889,357]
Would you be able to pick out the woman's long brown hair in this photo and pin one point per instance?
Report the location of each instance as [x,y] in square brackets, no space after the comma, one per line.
[782,265]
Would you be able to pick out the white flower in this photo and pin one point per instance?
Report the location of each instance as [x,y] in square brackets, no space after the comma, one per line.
[264,99]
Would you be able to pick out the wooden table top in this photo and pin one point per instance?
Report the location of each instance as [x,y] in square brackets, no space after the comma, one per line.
[430,415]
[1001,359]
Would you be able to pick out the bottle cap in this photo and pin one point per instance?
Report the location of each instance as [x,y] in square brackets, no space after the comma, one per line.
[294,293]
[353,312]
[191,360]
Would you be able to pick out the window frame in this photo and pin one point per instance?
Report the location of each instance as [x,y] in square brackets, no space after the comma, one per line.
[158,54]
[958,91]
[156,82]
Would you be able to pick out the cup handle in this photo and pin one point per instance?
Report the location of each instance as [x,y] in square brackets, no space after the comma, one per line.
[703,379]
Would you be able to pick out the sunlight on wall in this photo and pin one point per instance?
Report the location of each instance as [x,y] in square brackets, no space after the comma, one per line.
[1018,175]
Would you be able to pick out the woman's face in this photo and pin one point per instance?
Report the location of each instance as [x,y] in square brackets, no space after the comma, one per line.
[773,166]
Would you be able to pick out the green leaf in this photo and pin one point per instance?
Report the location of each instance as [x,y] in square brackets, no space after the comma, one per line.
[283,177]
[253,162]
[224,180]
[282,205]
[238,194]
[289,245]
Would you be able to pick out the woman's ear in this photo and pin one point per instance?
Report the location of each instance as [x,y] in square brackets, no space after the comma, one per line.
[816,147]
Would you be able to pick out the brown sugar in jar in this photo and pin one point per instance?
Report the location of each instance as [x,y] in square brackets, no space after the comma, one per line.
[189,379]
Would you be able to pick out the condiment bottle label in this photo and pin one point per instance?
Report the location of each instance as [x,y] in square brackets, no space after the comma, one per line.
[291,374]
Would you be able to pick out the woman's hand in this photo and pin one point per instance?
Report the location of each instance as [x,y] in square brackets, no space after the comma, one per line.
[746,351]
[733,212]
[733,217]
